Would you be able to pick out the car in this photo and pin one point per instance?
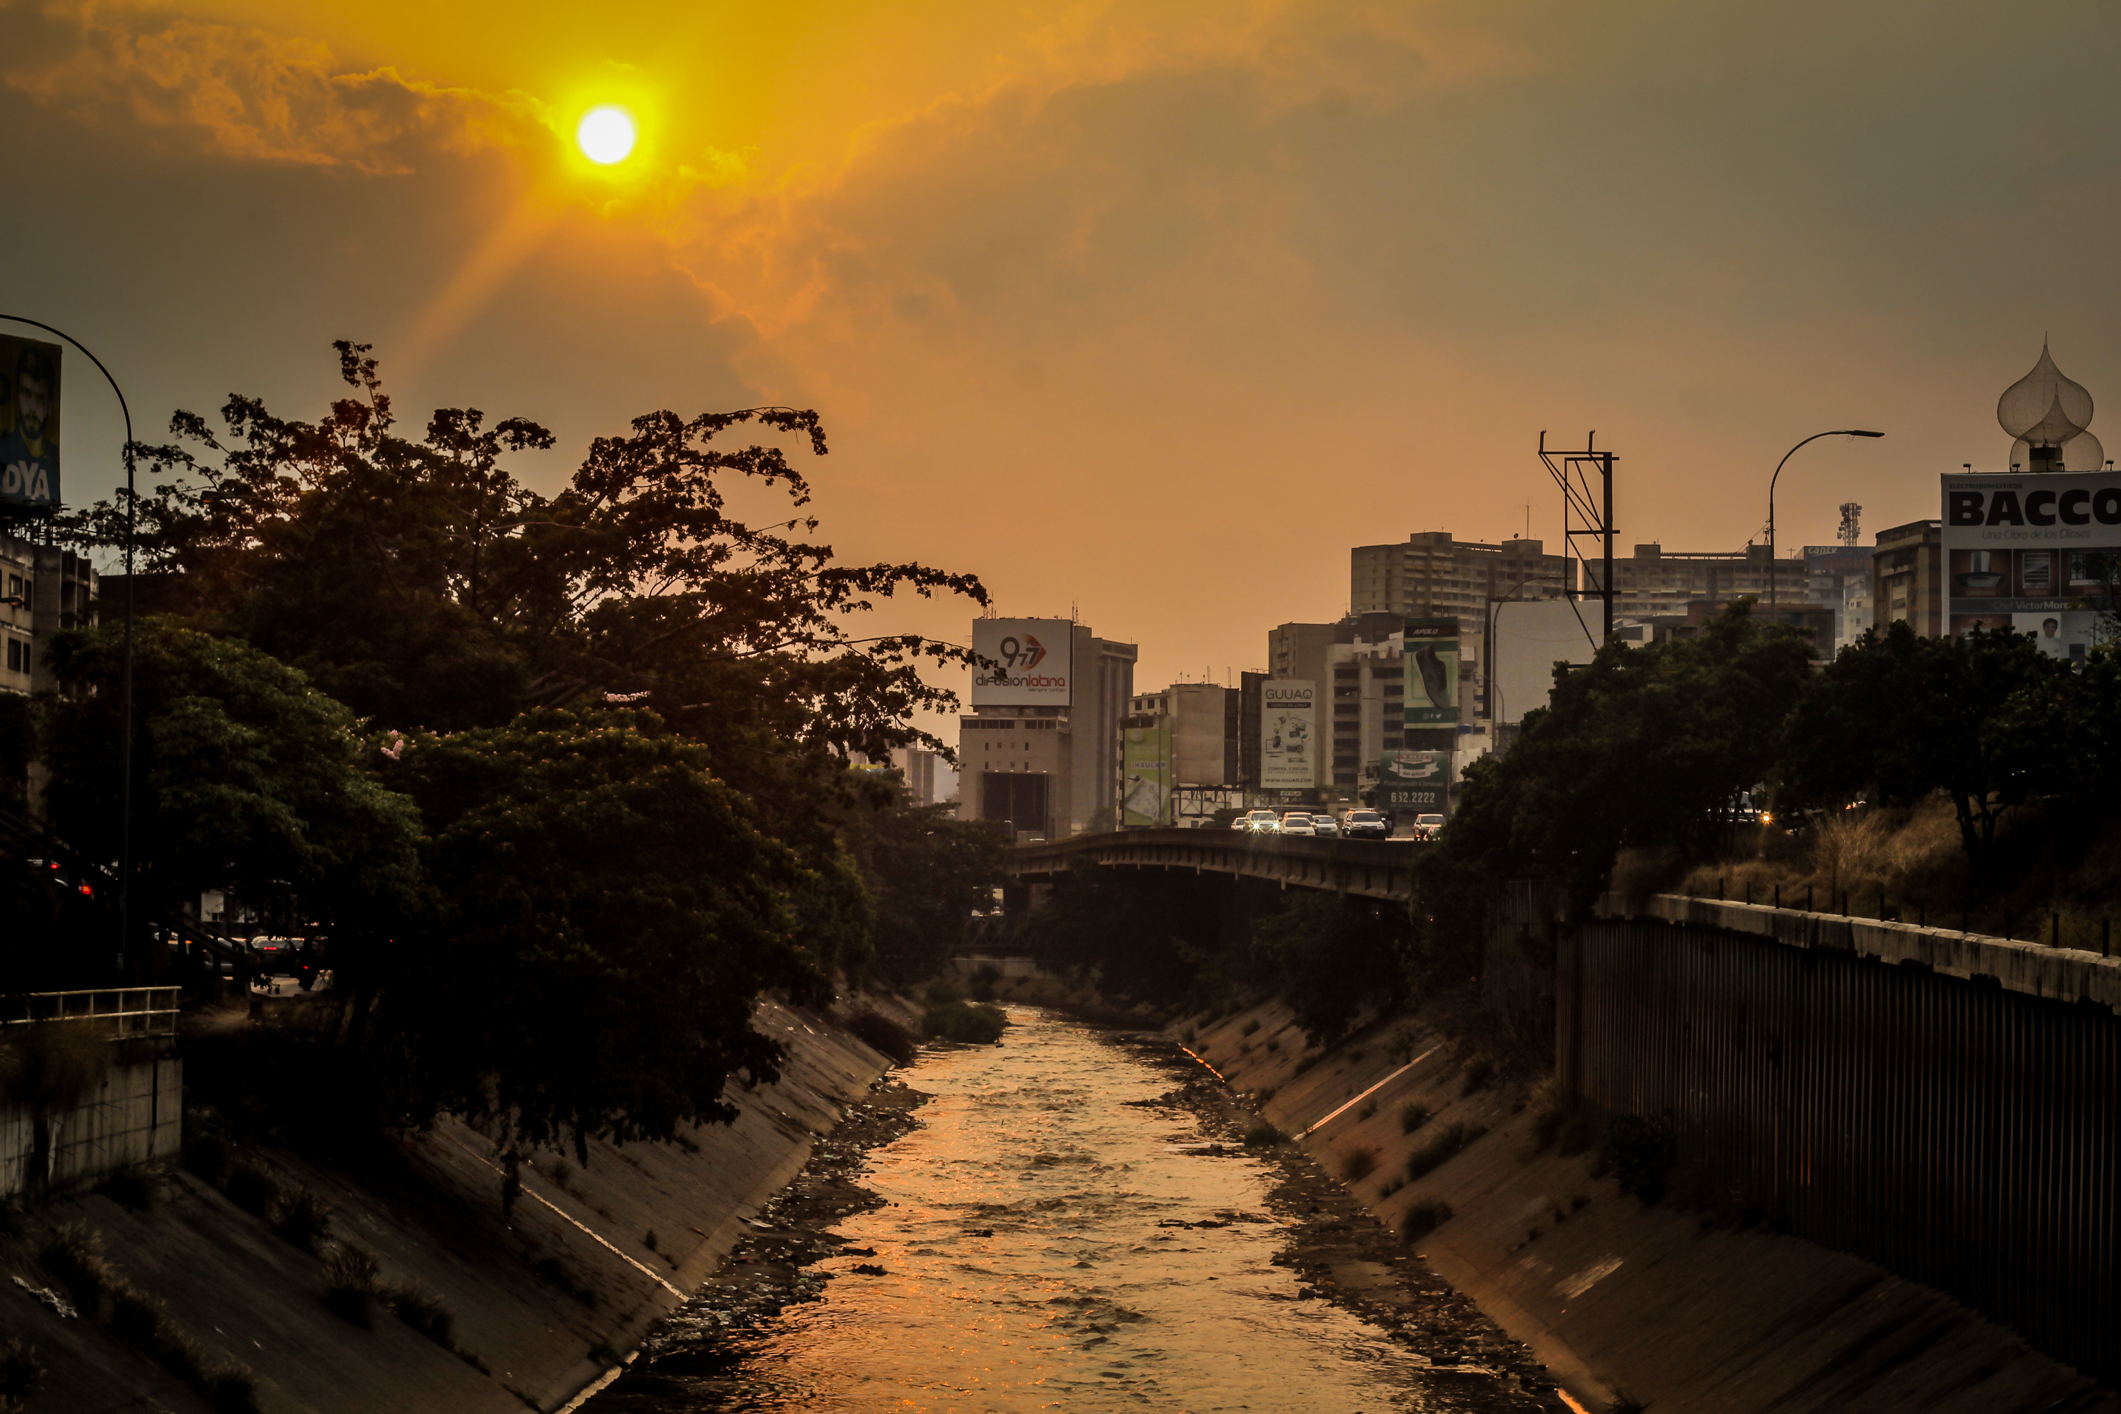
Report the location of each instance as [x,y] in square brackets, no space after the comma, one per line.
[1241,822]
[1365,825]
[1325,826]
[1298,822]
[1264,821]
[1428,826]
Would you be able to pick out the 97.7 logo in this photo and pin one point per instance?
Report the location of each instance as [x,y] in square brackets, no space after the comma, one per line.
[1022,654]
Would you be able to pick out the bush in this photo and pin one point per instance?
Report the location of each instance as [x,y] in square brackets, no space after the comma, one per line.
[303,1218]
[75,1256]
[250,1187]
[972,1022]
[1444,1147]
[425,1313]
[1358,1165]
[1478,1074]
[1413,1115]
[1264,1136]
[1423,1217]
[133,1186]
[1640,1152]
[985,979]
[19,1374]
[886,1035]
[350,1284]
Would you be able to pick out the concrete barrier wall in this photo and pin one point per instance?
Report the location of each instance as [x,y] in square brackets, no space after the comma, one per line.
[1961,1130]
[134,1115]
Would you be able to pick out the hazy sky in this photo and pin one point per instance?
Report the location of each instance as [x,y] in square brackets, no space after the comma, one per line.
[1151,309]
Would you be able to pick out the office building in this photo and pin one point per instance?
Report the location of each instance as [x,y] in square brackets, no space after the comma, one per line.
[1435,575]
[1050,769]
[1654,581]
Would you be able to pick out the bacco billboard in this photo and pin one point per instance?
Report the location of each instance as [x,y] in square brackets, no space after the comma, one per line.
[29,423]
[1032,658]
[2037,553]
[1431,647]
[1287,741]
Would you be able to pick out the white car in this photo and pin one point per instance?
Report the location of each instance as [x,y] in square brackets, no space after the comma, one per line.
[1428,826]
[1298,822]
[1325,825]
[1264,821]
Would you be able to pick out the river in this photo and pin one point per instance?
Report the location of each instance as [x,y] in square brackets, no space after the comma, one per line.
[1032,1260]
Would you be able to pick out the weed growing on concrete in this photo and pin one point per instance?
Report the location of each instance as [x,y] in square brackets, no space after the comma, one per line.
[75,1257]
[1423,1217]
[302,1218]
[1444,1147]
[1478,1075]
[1185,1037]
[1264,1136]
[1402,1043]
[1390,1186]
[1640,1153]
[1356,1054]
[1358,1165]
[555,1271]
[1249,1027]
[135,1186]
[603,1354]
[1625,1403]
[1274,1044]
[250,1187]
[1413,1115]
[19,1374]
[424,1313]
[648,1239]
[350,1284]
[1366,1111]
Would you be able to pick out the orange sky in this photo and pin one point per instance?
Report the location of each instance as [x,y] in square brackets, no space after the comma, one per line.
[1151,309]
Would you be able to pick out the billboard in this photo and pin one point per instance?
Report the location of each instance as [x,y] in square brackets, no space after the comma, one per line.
[1032,657]
[1288,753]
[1432,673]
[2037,553]
[29,423]
[1528,637]
[1418,781]
[1145,777]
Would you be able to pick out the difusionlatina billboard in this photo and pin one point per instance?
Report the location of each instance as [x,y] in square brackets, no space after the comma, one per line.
[1032,662]
[29,423]
[1431,648]
[2039,553]
[1288,742]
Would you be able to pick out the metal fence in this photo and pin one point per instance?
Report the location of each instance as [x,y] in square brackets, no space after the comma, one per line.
[131,1013]
[1956,1133]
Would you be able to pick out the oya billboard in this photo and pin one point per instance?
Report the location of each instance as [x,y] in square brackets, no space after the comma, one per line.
[1287,758]
[1431,649]
[1145,785]
[2037,553]
[29,423]
[1414,780]
[1032,660]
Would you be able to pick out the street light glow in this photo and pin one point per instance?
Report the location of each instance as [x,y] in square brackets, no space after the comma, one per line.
[605,134]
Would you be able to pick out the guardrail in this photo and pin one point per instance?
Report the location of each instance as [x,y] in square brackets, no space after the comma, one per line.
[1381,869]
[133,1013]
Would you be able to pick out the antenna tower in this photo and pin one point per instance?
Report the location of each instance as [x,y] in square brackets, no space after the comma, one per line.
[1586,482]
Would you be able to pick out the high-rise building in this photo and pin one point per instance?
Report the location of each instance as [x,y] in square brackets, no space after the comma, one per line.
[1051,770]
[1907,579]
[1434,575]
[1359,668]
[1656,581]
[43,590]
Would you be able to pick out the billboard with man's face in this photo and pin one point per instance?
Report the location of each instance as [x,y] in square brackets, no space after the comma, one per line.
[29,423]
[1032,661]
[2039,553]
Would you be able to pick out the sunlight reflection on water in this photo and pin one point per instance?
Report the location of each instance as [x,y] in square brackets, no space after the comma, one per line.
[1078,1301]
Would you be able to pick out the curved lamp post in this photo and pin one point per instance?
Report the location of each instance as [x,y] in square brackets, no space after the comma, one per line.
[125,692]
[1838,432]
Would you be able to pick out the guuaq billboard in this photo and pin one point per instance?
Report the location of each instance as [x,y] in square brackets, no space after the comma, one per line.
[1287,741]
[2039,553]
[29,423]
[1032,659]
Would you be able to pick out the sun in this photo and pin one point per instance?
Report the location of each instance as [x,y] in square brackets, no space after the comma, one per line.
[605,134]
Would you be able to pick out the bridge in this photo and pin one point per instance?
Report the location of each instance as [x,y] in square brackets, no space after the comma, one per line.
[1379,869]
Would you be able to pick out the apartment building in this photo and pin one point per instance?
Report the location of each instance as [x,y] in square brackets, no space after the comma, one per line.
[1434,574]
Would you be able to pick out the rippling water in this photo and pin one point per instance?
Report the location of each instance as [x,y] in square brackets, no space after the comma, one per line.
[1077,1300]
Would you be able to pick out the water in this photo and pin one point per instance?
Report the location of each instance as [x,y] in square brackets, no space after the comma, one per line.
[1078,1300]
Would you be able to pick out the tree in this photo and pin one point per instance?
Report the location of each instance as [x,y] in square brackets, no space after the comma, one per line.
[926,871]
[244,777]
[1641,747]
[1986,717]
[606,916]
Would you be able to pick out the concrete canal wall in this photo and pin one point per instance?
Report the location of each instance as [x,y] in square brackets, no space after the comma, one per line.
[542,1300]
[1688,1308]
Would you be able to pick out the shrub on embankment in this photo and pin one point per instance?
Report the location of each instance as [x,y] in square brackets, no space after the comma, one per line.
[973,1023]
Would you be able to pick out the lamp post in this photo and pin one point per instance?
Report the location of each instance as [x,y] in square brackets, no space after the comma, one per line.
[125,690]
[1838,432]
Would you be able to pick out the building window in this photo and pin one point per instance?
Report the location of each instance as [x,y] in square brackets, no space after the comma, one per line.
[14,656]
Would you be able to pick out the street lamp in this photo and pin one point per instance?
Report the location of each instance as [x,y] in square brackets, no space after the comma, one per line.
[1838,432]
[125,693]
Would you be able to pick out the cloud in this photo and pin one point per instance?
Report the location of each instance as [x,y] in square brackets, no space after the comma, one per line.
[255,96]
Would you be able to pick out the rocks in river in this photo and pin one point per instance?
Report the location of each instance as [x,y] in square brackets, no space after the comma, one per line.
[869,1269]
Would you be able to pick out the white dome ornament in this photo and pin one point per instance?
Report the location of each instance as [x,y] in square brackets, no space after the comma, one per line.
[2045,411]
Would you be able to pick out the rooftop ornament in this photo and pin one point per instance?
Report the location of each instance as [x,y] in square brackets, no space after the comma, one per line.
[2048,412]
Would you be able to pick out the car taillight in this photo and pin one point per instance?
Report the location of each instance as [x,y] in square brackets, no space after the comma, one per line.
[87,892]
